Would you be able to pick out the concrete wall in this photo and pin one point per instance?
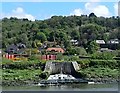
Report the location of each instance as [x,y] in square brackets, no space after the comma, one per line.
[61,67]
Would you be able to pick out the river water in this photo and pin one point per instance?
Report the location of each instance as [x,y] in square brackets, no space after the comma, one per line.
[72,87]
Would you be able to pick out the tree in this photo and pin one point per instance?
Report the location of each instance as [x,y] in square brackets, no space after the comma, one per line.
[92,15]
[23,38]
[37,43]
[60,29]
[79,22]
[75,35]
[77,51]
[41,36]
[63,37]
[92,47]
[92,31]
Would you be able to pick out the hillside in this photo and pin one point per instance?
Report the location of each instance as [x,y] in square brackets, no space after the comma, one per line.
[60,29]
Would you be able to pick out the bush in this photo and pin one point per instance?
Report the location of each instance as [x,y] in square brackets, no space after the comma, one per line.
[6,61]
[76,50]
[66,58]
[83,63]
[99,72]
[59,56]
[81,51]
[24,65]
[103,55]
[44,75]
[104,63]
[74,58]
[33,57]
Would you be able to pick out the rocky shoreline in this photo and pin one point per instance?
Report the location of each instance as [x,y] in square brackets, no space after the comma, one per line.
[99,80]
[29,82]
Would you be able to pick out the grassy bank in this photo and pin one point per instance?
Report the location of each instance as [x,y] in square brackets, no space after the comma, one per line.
[23,72]
[13,77]
[23,77]
[100,74]
[29,72]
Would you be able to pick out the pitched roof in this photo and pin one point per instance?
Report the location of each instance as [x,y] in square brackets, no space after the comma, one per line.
[113,41]
[100,41]
[56,49]
[19,48]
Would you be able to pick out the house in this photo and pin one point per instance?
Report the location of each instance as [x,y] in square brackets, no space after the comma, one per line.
[101,43]
[15,49]
[74,42]
[20,45]
[51,53]
[47,44]
[16,57]
[11,49]
[113,44]
[15,52]
[48,57]
[113,41]
[55,49]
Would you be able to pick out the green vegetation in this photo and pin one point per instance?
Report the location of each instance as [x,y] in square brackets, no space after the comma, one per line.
[100,73]
[23,72]
[31,71]
[30,64]
[61,30]
[9,74]
[85,29]
[13,77]
[92,47]
[103,56]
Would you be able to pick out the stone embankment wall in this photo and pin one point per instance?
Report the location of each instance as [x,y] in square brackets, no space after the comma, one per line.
[61,67]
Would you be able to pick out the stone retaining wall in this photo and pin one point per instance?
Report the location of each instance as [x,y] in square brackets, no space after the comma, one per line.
[61,67]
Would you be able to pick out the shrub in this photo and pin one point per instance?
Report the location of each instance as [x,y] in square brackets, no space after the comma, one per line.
[74,58]
[33,57]
[103,55]
[6,61]
[59,56]
[81,51]
[83,63]
[104,63]
[44,75]
[36,64]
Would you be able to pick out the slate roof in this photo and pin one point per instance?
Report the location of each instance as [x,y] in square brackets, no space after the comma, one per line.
[15,49]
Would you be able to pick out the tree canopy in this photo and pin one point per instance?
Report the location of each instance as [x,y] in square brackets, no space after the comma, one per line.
[60,29]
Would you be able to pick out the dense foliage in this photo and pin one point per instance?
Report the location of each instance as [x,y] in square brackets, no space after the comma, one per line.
[60,29]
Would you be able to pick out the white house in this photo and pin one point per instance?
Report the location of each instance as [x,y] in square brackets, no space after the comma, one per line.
[100,41]
[74,42]
[113,41]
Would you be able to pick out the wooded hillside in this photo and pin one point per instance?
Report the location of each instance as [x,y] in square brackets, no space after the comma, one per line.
[60,29]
